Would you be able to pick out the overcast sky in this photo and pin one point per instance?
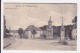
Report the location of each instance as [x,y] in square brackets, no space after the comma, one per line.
[23,15]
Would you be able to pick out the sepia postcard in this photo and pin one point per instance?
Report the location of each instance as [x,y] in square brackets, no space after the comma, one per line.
[40,26]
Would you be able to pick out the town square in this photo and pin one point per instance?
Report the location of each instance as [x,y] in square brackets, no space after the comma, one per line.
[40,26]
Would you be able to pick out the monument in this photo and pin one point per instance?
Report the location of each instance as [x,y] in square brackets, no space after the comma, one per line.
[62,35]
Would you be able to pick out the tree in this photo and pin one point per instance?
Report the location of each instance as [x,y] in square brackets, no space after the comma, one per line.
[5,33]
[33,33]
[33,30]
[41,28]
[75,22]
[75,19]
[45,27]
[20,31]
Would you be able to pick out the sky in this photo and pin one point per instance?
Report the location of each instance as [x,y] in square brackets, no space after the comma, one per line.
[19,15]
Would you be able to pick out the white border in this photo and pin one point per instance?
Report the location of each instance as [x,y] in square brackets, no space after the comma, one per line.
[40,1]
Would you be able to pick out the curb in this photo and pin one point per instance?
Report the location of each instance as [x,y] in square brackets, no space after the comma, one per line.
[6,45]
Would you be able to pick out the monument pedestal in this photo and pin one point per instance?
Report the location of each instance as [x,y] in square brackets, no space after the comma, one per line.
[62,38]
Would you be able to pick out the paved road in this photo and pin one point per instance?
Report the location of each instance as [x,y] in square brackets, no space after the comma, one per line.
[38,44]
[7,42]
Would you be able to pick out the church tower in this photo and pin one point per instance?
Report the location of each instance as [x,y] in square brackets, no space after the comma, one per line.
[50,29]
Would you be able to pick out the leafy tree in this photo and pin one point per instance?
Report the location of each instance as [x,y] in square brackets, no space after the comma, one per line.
[6,31]
[75,19]
[20,31]
[33,30]
[33,33]
[45,27]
